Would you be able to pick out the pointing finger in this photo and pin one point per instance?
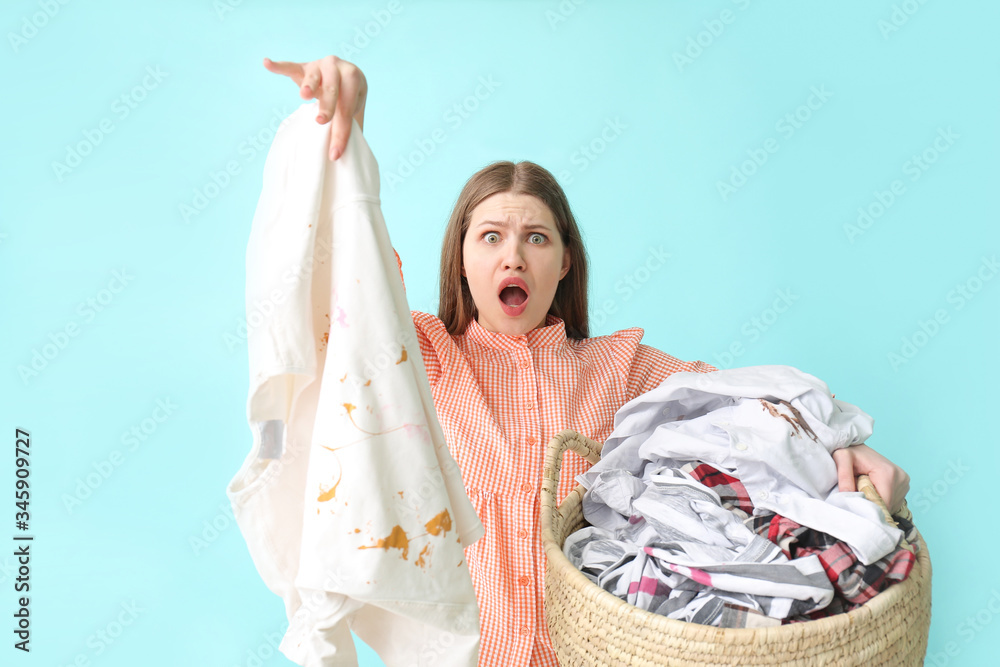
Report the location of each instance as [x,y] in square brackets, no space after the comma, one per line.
[286,68]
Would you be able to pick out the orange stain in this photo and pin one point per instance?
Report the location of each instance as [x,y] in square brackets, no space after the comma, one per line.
[396,539]
[357,530]
[327,494]
[402,358]
[343,378]
[400,493]
[325,340]
[423,552]
[439,524]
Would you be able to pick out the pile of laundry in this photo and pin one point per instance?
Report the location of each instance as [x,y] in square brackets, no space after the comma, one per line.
[715,501]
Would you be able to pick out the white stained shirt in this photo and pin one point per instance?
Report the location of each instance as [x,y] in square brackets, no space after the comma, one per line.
[352,507]
[773,427]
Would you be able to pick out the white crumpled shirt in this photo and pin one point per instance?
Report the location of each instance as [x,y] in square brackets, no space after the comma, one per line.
[774,428]
[353,510]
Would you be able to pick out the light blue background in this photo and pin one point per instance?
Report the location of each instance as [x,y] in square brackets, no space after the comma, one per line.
[168,334]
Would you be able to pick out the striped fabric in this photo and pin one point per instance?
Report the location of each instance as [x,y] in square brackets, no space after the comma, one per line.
[500,399]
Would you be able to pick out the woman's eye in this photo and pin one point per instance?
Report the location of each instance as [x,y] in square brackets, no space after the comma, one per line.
[534,239]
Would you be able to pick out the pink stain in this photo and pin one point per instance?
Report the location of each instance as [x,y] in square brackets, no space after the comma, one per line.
[644,585]
[415,430]
[699,576]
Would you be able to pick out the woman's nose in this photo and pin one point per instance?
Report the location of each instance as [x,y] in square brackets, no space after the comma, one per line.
[513,257]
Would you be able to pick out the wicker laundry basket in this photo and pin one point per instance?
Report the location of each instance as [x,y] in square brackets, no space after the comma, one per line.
[590,626]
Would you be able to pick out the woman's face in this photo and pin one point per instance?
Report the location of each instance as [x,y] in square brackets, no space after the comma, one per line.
[513,236]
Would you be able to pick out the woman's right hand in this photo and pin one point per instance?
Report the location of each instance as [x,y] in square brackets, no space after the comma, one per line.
[340,87]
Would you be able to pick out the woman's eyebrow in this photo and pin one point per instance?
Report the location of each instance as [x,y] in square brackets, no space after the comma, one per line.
[494,223]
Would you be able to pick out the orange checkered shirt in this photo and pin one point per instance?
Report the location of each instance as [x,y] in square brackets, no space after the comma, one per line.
[500,399]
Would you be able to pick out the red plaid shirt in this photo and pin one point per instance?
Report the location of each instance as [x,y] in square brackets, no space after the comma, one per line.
[500,399]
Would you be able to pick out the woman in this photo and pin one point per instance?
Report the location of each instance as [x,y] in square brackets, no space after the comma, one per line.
[511,363]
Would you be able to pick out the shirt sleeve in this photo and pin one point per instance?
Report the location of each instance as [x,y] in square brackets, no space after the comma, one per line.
[650,367]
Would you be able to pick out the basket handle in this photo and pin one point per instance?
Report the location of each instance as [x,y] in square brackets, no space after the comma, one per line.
[580,444]
[866,487]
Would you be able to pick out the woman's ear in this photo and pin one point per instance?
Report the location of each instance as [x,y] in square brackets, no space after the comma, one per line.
[566,264]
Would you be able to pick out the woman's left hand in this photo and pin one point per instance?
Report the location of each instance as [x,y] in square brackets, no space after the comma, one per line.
[889,480]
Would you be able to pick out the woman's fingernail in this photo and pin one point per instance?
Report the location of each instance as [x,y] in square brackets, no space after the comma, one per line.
[334,154]
[322,118]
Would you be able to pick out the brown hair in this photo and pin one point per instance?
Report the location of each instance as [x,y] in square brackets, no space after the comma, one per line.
[456,307]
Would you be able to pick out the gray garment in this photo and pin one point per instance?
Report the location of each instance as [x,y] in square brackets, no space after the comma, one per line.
[666,544]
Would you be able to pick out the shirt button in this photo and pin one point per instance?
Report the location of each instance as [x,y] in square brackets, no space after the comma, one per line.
[524,581]
[762,495]
[525,629]
[527,488]
[525,364]
[740,446]
[530,406]
[522,533]
[532,440]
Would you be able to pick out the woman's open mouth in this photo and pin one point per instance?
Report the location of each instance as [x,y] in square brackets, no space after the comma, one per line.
[513,296]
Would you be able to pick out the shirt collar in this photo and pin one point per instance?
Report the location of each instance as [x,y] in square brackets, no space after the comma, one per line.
[552,334]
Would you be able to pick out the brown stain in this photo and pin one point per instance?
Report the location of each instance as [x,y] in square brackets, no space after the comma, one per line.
[796,421]
[402,358]
[325,340]
[396,539]
[421,562]
[439,524]
[400,493]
